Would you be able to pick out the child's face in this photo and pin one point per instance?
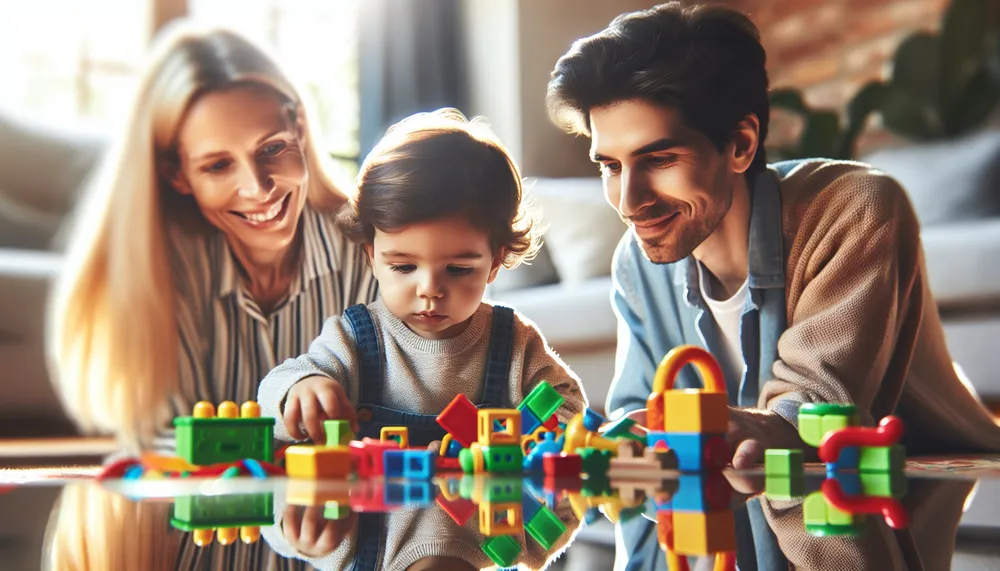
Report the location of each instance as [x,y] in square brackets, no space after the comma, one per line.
[432,275]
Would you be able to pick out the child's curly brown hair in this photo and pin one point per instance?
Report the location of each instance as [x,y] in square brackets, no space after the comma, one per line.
[439,165]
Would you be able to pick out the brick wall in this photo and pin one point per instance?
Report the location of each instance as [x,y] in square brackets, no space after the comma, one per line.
[829,49]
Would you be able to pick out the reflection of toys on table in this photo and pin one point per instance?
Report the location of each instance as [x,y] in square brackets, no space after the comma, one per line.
[226,516]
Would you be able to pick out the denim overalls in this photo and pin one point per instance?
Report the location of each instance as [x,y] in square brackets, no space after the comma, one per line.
[423,428]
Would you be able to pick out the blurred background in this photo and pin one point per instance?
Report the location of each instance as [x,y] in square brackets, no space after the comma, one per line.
[910,86]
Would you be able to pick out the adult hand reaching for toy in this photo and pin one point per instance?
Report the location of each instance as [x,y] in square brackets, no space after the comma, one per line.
[313,400]
[751,432]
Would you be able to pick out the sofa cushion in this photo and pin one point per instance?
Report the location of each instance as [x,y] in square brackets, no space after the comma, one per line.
[539,271]
[962,264]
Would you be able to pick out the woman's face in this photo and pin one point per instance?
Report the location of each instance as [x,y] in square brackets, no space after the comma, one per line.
[241,158]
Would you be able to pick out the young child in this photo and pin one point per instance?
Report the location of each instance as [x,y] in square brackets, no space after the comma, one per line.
[439,211]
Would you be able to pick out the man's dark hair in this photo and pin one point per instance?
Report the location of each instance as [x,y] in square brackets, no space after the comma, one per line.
[706,61]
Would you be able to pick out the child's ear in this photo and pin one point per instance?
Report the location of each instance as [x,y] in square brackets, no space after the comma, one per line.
[370,250]
[495,269]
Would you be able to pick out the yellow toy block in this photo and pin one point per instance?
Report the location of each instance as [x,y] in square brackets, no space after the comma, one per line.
[695,410]
[501,518]
[701,533]
[401,433]
[305,461]
[227,535]
[312,493]
[509,435]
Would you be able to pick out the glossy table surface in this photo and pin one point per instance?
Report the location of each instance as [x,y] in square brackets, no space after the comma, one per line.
[65,515]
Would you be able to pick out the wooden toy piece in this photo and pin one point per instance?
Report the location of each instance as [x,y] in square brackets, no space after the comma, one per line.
[652,464]
[577,436]
[666,372]
[400,434]
[504,518]
[783,462]
[702,533]
[695,410]
[508,435]
[562,465]
[459,419]
[304,461]
[338,432]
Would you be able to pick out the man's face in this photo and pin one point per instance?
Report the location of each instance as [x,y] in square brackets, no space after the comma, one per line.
[668,182]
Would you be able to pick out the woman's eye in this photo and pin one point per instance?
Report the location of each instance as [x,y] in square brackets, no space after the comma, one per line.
[218,166]
[272,149]
[402,268]
[459,270]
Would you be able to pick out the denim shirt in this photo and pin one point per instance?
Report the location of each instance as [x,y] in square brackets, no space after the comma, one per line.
[660,306]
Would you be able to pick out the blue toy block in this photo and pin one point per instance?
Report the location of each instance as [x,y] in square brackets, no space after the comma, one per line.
[592,420]
[533,461]
[849,459]
[529,422]
[408,493]
[529,506]
[454,447]
[695,494]
[394,463]
[419,464]
[395,493]
[689,448]
[850,483]
[654,437]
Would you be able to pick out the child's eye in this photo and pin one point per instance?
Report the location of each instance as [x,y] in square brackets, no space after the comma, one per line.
[459,270]
[402,268]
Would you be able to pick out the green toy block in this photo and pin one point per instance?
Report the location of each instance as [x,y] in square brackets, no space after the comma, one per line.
[784,487]
[230,510]
[830,530]
[502,490]
[596,486]
[595,462]
[831,422]
[622,428]
[782,462]
[884,484]
[814,509]
[203,441]
[882,459]
[811,429]
[335,510]
[835,516]
[502,549]
[545,527]
[543,401]
[503,458]
[338,432]
[825,408]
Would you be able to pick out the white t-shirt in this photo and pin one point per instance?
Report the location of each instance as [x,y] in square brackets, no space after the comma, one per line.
[727,314]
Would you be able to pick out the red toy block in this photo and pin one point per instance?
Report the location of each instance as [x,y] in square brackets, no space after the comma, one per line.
[562,465]
[459,418]
[552,423]
[558,486]
[459,509]
[445,464]
[367,456]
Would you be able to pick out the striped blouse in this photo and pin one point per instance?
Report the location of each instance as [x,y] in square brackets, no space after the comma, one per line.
[227,344]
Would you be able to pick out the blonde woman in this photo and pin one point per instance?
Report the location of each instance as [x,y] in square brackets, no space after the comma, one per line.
[205,252]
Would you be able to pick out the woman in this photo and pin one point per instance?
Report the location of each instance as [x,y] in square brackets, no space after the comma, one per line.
[205,252]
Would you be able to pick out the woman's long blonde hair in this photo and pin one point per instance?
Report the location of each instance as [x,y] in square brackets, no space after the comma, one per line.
[112,334]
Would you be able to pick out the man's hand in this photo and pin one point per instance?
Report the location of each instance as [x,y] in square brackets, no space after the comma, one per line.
[313,400]
[312,535]
[752,431]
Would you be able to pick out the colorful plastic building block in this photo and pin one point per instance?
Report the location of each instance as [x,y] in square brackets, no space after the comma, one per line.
[500,518]
[695,410]
[235,434]
[368,456]
[784,487]
[305,461]
[595,462]
[545,527]
[336,511]
[533,459]
[886,434]
[696,452]
[562,465]
[508,435]
[529,422]
[577,436]
[416,464]
[459,509]
[503,550]
[822,519]
[459,419]
[891,484]
[892,511]
[622,428]
[543,400]
[398,434]
[876,459]
[663,382]
[816,419]
[782,462]
[409,493]
[703,492]
[232,515]
[502,459]
[701,533]
[338,432]
[592,420]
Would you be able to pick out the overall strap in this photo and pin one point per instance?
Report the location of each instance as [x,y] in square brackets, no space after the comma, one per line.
[371,526]
[368,352]
[498,358]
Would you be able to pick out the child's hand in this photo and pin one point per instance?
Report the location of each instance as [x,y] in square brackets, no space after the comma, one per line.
[313,400]
[312,535]
[435,447]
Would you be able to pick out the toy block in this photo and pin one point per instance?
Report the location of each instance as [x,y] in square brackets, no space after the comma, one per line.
[825,408]
[405,493]
[562,465]
[850,483]
[811,429]
[577,436]
[849,459]
[597,486]
[701,493]
[203,439]
[500,489]
[592,420]
[338,432]
[654,462]
[881,458]
[545,527]
[368,455]
[543,400]
[697,533]
[459,509]
[453,447]
[305,461]
[419,464]
[813,424]
[622,428]
[398,434]
[784,487]
[500,518]
[529,505]
[817,511]
[316,492]
[472,459]
[502,458]
[227,511]
[529,422]
[697,452]
[595,462]
[695,410]
[503,550]
[336,511]
[782,462]
[533,460]
[832,422]
[553,424]
[459,419]
[392,463]
[891,484]
[510,432]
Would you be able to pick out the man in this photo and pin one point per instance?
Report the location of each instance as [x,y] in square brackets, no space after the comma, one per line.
[806,280]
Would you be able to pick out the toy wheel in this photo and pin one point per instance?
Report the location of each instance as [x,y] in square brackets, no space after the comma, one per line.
[716,453]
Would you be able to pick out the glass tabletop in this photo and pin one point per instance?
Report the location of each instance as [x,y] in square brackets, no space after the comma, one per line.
[67,519]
